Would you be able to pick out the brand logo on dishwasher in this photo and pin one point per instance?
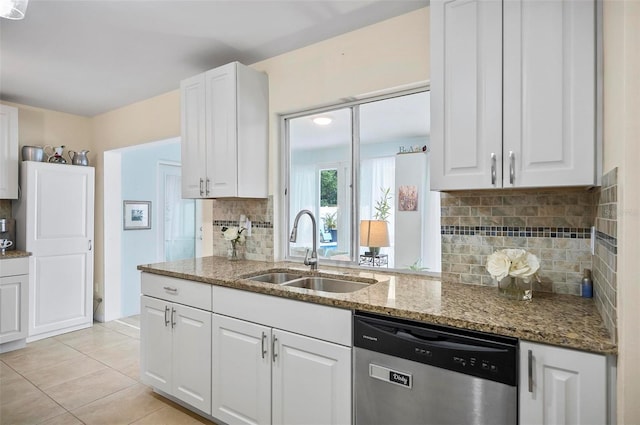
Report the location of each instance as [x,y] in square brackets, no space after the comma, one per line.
[400,378]
[370,338]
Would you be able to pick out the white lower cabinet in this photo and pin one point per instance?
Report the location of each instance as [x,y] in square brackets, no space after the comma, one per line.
[561,386]
[263,374]
[14,288]
[175,351]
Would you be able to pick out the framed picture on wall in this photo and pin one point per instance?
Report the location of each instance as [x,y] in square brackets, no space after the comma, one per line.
[137,215]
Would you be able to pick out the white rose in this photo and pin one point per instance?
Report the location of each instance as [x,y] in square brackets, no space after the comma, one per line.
[525,267]
[498,265]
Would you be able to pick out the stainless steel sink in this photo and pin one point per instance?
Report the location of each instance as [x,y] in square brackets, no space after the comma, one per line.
[326,284]
[275,277]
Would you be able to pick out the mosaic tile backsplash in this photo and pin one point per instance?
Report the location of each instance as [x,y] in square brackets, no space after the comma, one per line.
[553,224]
[605,260]
[258,246]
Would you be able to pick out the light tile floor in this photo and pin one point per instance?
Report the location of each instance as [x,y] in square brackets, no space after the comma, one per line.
[89,376]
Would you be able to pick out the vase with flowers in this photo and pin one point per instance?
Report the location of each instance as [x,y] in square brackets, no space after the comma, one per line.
[236,237]
[515,270]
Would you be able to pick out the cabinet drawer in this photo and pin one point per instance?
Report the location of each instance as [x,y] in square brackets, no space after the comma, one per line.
[180,291]
[314,320]
[14,266]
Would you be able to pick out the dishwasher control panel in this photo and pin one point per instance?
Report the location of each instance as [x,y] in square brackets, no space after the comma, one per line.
[473,353]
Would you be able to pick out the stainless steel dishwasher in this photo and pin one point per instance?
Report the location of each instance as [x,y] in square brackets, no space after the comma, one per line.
[409,372]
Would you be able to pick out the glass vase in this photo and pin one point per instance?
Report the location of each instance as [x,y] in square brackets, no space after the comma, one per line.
[515,288]
[232,252]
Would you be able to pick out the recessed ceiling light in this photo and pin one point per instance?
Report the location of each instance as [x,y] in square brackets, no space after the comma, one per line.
[322,120]
[13,9]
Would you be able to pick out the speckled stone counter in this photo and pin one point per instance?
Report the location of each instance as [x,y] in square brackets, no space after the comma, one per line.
[13,254]
[563,320]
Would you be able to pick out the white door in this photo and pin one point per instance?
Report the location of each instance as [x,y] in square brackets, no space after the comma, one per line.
[8,152]
[549,93]
[177,216]
[155,343]
[193,143]
[222,153]
[192,356]
[59,234]
[241,371]
[13,311]
[466,94]
[565,386]
[311,381]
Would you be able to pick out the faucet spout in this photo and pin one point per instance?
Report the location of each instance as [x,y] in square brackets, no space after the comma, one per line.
[313,261]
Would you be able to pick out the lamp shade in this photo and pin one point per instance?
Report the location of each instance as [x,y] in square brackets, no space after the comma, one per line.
[13,9]
[374,233]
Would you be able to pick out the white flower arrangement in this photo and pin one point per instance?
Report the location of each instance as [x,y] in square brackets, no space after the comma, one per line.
[514,263]
[234,234]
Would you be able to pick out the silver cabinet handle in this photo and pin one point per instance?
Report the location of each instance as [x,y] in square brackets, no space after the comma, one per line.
[264,350]
[530,368]
[170,289]
[90,245]
[512,167]
[173,322]
[166,315]
[201,187]
[207,187]
[273,348]
[493,169]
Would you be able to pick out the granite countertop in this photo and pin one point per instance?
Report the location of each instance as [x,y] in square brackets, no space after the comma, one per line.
[564,320]
[13,254]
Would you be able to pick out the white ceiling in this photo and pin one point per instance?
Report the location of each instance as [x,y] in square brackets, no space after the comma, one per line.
[87,57]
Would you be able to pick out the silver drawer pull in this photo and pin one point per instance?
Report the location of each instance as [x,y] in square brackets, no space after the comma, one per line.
[530,370]
[170,289]
[493,169]
[512,167]
[264,350]
[273,348]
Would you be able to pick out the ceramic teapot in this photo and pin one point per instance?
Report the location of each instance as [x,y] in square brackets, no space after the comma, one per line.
[78,158]
[54,154]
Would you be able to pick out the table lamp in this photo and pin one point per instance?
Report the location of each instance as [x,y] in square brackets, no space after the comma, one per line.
[374,234]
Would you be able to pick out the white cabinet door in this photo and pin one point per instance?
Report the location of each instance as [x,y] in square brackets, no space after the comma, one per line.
[241,371]
[193,143]
[221,107]
[549,93]
[564,386]
[155,343]
[13,307]
[311,381]
[466,94]
[191,377]
[8,152]
[57,222]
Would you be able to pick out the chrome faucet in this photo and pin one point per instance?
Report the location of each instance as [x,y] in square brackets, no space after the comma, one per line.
[313,261]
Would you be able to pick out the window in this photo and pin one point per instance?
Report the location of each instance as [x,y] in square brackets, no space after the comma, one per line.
[362,169]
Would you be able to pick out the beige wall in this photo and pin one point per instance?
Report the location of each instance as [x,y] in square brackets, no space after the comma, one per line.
[37,126]
[151,120]
[622,150]
[390,54]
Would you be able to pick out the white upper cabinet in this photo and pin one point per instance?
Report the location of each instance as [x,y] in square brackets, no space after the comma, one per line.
[513,94]
[8,152]
[225,133]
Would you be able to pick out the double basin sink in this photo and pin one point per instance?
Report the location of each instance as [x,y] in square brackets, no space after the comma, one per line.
[316,283]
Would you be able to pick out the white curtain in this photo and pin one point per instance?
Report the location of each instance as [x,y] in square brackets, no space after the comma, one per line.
[377,175]
[303,182]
